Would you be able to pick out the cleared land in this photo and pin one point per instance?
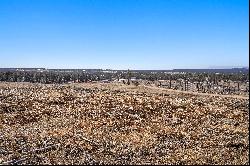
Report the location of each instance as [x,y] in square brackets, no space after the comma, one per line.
[120,124]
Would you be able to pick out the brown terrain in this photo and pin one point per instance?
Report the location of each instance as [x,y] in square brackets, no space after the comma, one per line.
[111,123]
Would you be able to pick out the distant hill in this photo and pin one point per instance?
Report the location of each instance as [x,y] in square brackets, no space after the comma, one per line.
[232,70]
[20,69]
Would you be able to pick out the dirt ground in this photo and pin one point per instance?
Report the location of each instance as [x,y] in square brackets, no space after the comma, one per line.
[149,89]
[105,123]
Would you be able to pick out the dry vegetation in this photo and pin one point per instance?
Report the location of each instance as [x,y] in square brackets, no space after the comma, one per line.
[118,124]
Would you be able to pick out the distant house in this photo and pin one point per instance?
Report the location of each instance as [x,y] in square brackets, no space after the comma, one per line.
[122,79]
[105,81]
[162,83]
[133,79]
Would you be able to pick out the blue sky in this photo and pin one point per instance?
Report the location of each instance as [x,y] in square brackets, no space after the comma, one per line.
[122,34]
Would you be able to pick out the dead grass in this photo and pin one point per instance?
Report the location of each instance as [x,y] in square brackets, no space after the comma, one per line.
[118,124]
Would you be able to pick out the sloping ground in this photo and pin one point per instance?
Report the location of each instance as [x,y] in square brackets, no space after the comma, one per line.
[111,124]
[151,89]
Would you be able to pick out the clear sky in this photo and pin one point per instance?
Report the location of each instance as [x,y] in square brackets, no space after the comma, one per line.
[122,34]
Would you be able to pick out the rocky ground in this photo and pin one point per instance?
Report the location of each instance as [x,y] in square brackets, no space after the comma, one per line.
[120,124]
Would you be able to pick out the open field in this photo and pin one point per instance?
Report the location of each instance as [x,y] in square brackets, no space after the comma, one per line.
[119,124]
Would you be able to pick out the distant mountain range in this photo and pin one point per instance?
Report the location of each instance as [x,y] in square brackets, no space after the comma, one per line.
[227,67]
[20,69]
[231,70]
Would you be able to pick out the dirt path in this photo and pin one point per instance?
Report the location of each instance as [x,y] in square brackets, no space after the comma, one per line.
[197,93]
[151,89]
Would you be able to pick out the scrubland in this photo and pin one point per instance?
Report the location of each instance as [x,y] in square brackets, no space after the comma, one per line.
[120,124]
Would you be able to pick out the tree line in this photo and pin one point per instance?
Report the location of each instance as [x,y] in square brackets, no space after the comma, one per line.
[48,77]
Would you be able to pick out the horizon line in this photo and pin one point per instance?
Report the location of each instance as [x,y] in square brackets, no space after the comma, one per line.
[209,68]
